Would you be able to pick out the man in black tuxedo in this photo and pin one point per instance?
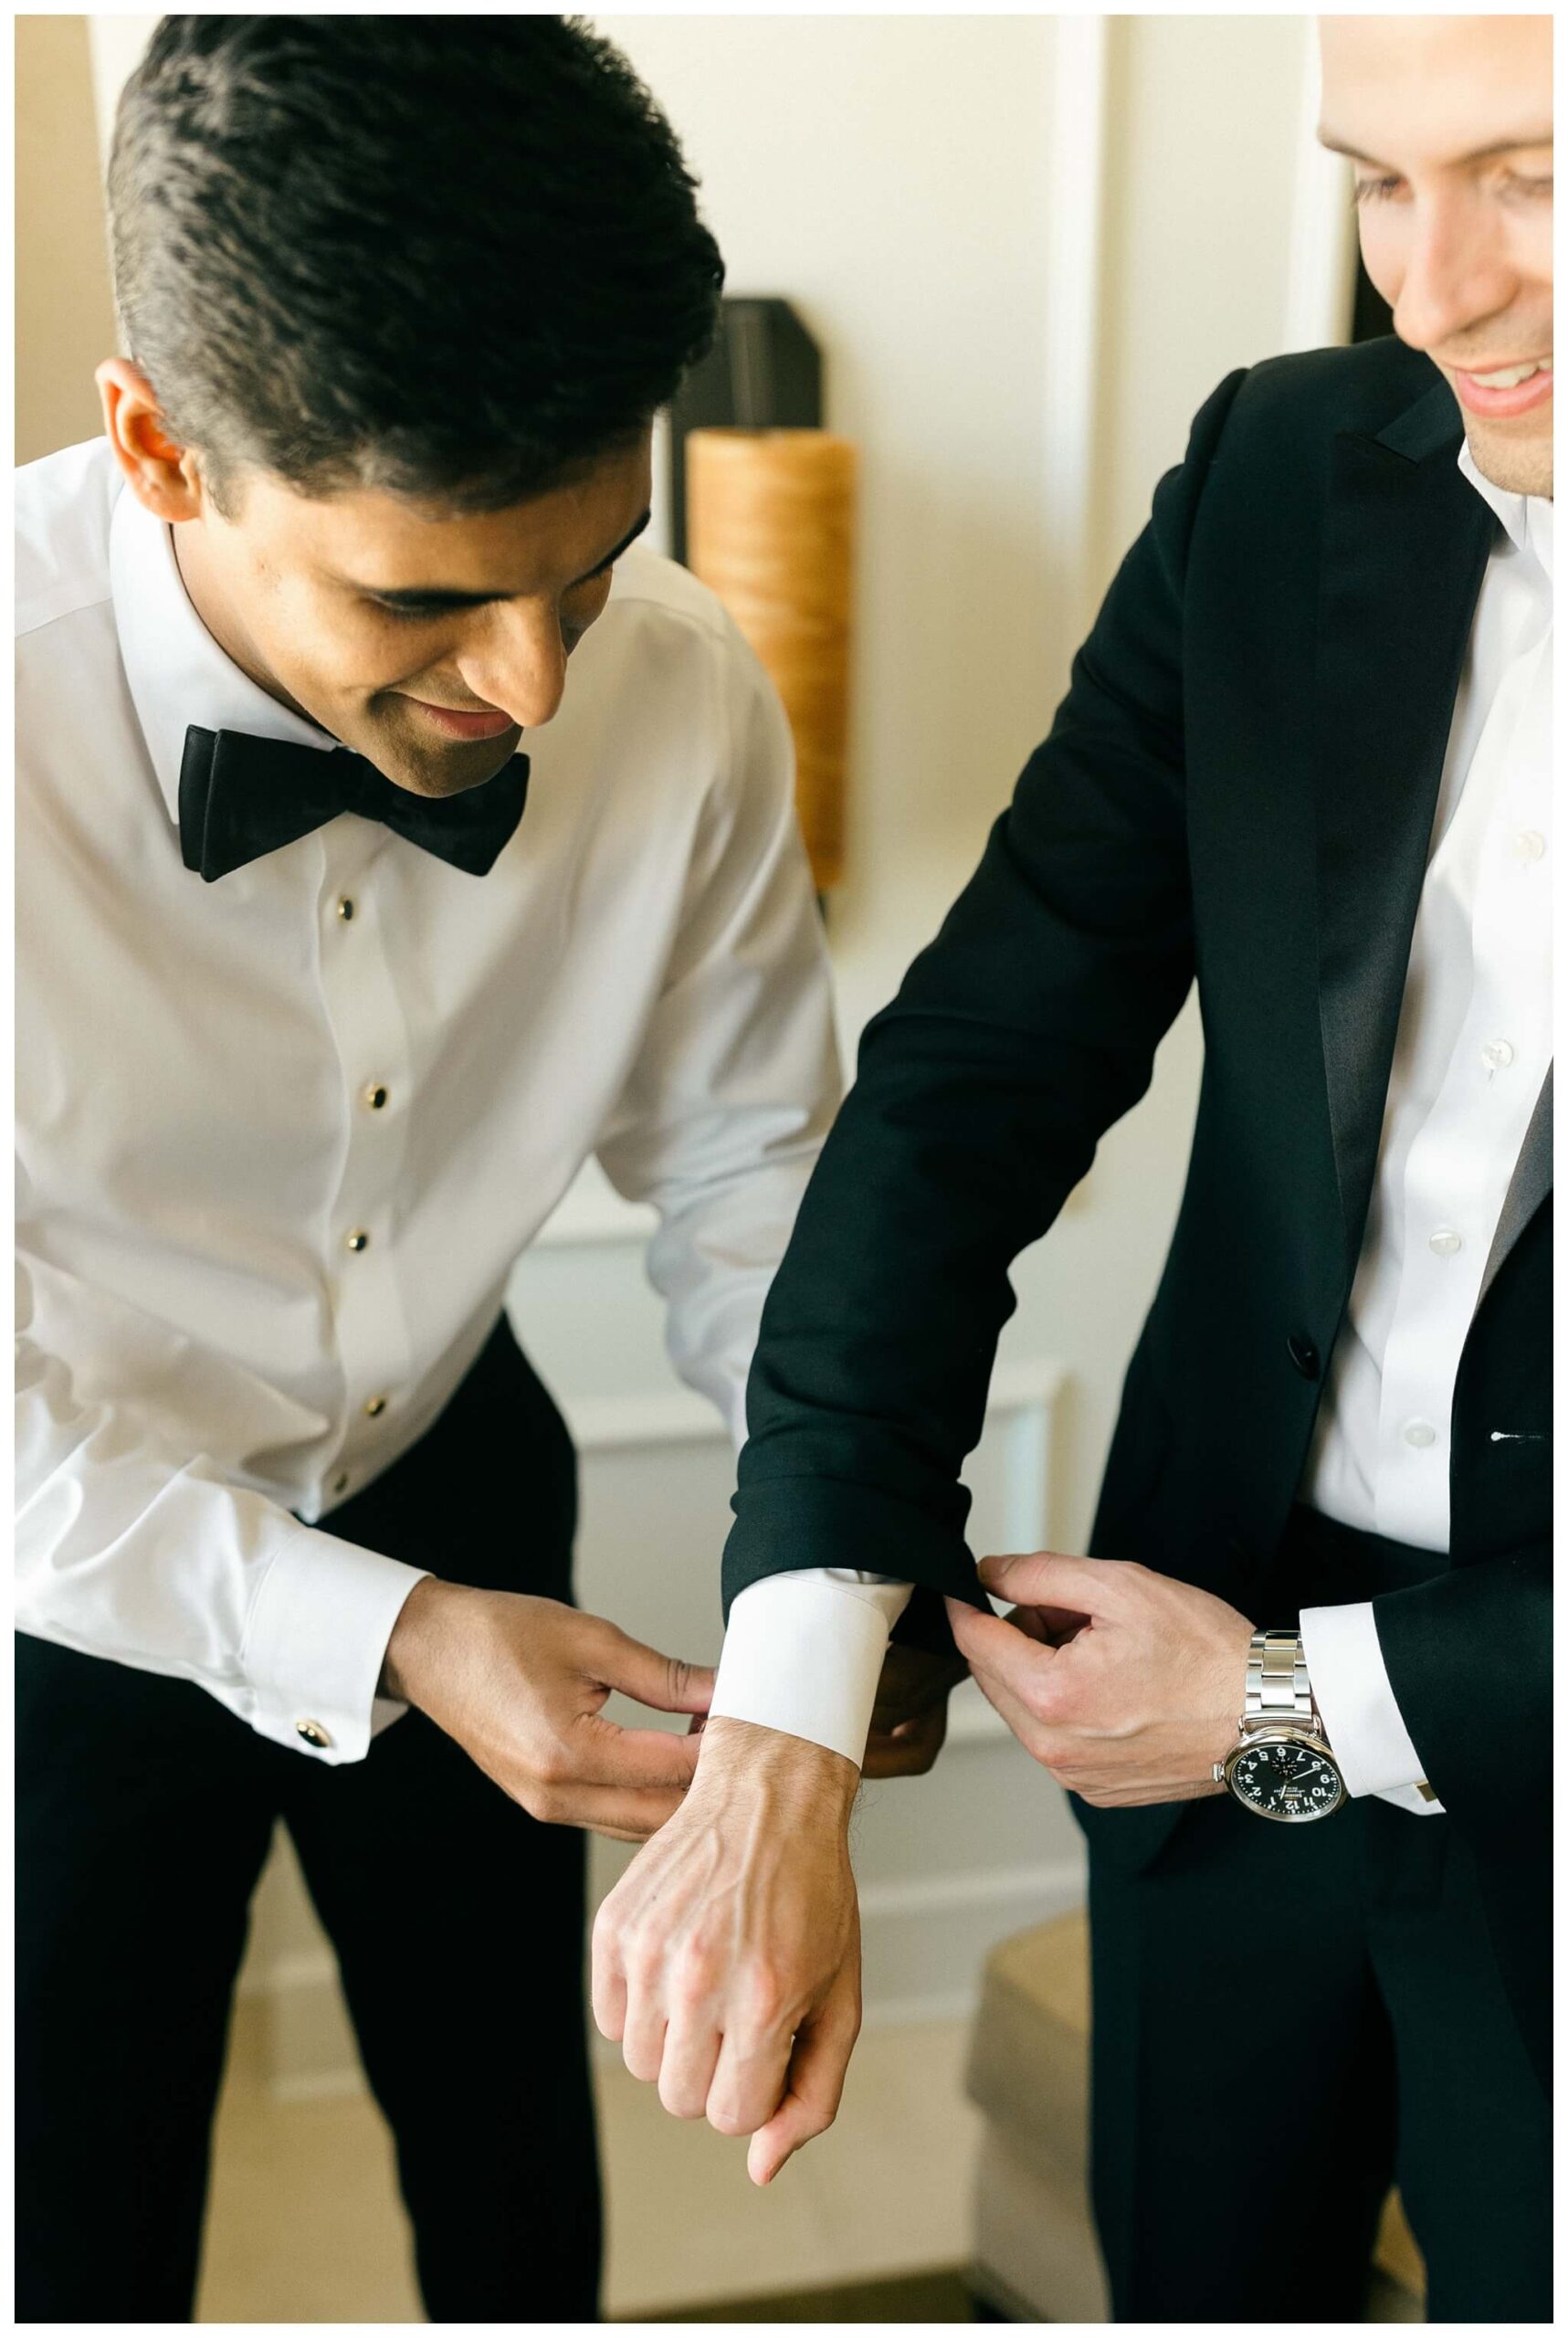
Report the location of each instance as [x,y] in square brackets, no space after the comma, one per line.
[1305,763]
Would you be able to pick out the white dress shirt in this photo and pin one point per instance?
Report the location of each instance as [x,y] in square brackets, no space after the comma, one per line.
[245,1288]
[804,1649]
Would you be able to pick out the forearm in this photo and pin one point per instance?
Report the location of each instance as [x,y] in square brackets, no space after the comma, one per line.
[129,1551]
[796,1780]
[1027,1028]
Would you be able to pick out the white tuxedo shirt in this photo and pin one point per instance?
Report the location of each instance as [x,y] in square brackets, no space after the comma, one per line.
[246,1289]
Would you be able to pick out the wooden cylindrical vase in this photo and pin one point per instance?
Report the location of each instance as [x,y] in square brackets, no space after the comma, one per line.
[770,525]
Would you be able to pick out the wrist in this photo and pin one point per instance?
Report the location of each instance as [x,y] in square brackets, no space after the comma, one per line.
[432,1618]
[811,1781]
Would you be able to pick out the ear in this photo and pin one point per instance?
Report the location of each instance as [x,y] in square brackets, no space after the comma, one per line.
[163,478]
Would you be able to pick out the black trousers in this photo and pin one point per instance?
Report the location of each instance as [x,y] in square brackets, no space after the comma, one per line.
[1288,2019]
[144,1814]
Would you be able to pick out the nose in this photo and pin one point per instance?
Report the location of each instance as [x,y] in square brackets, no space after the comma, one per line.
[518,661]
[1457,277]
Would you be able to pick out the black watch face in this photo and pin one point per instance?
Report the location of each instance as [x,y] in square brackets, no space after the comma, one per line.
[1286,1781]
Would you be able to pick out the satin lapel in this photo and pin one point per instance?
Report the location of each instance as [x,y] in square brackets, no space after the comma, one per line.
[1405,548]
[1528,1188]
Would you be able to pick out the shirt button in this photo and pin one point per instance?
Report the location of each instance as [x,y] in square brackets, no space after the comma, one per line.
[341,1482]
[313,1733]
[1445,1242]
[375,1406]
[345,908]
[1529,844]
[358,1240]
[1497,1055]
[1420,1433]
[375,1096]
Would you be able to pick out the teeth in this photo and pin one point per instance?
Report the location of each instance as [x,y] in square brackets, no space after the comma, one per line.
[1511,376]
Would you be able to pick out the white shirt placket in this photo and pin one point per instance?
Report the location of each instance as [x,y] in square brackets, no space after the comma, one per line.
[365,1013]
[1472,1134]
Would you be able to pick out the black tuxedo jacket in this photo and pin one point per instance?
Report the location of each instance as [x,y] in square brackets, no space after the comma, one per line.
[1238,789]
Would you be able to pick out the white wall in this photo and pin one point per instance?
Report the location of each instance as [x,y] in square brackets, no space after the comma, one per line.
[907,180]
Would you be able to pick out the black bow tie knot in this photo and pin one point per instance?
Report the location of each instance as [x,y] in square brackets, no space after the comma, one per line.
[242,797]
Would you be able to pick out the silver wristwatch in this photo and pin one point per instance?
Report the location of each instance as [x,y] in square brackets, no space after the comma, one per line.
[1281,1765]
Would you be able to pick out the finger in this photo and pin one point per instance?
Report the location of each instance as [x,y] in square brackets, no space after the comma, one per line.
[998,1650]
[749,2079]
[1022,1722]
[906,1751]
[642,2040]
[665,1682]
[1050,1579]
[815,2078]
[691,2045]
[626,1813]
[1052,1625]
[607,1988]
[603,1754]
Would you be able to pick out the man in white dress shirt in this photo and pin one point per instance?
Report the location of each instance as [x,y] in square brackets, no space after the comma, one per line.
[319,1019]
[1305,761]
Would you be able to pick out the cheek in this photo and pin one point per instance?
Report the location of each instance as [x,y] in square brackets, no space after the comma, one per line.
[351,654]
[1530,251]
[583,610]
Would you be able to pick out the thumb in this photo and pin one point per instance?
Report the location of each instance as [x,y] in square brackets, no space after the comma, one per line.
[666,1682]
[814,2082]
[1046,1579]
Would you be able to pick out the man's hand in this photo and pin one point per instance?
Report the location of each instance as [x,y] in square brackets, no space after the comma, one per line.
[727,1959]
[908,1720]
[520,1683]
[1125,1684]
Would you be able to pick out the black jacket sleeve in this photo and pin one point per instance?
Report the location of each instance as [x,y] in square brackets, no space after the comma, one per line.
[1018,1038]
[1469,1662]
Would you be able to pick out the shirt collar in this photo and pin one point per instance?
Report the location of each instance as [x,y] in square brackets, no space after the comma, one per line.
[1526,519]
[176,672]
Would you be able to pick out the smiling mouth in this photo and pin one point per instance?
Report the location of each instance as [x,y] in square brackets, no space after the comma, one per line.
[1506,377]
[465,722]
[1504,392]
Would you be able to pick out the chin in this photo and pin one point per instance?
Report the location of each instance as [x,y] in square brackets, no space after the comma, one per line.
[438,770]
[1520,466]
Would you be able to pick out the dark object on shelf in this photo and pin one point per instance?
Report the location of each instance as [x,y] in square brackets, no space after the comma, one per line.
[764,372]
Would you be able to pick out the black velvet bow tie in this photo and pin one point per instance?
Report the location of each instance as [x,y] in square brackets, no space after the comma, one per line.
[241,797]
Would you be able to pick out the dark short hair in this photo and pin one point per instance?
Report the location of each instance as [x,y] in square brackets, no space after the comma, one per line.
[458,258]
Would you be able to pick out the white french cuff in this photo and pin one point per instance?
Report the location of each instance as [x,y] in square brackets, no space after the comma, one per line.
[804,1653]
[316,1642]
[1352,1690]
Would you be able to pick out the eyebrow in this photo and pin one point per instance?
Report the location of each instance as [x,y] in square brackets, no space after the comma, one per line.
[441,597]
[1482,153]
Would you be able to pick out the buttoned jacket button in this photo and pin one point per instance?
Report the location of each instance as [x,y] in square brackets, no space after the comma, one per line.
[1304,1355]
[313,1734]
[375,1096]
[375,1406]
[346,908]
[358,1239]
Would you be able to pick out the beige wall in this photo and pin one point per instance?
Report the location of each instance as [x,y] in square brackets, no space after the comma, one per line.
[65,318]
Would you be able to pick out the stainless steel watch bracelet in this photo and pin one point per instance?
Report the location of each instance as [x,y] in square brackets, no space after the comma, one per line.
[1278,1689]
